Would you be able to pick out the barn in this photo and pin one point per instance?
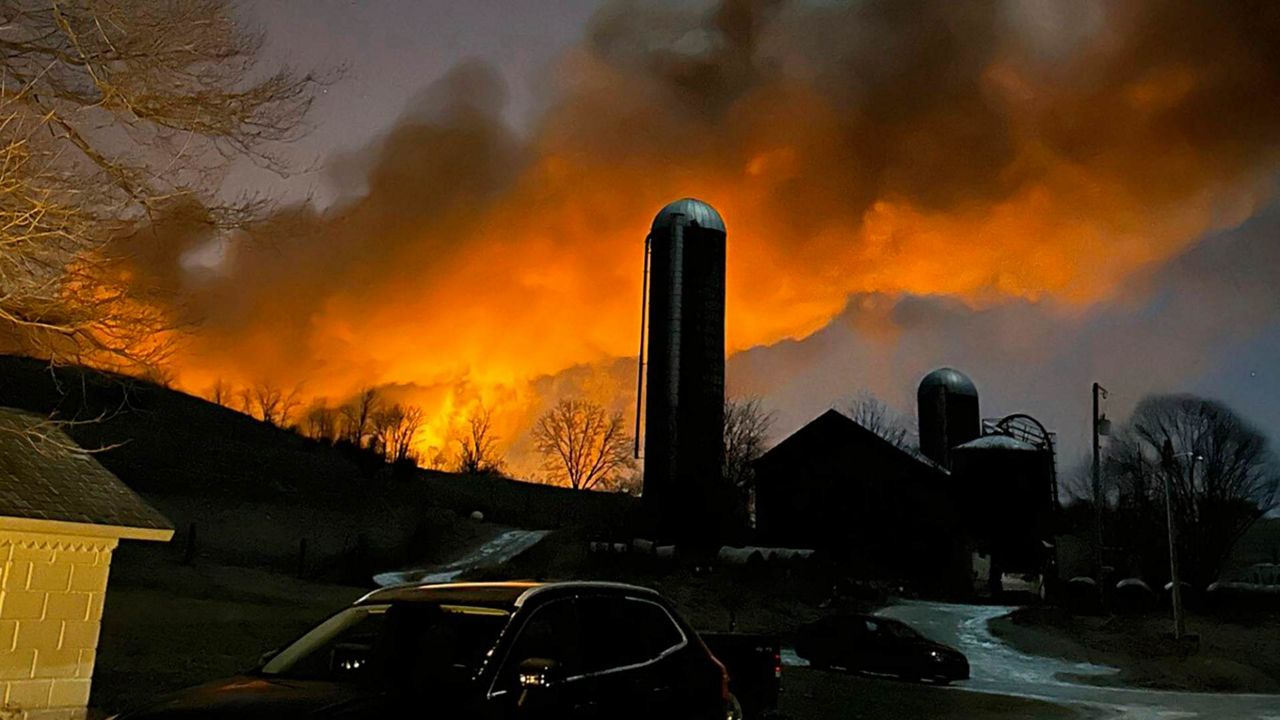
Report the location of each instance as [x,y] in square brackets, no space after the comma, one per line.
[838,487]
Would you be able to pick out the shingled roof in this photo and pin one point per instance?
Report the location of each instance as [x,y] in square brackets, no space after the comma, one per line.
[45,476]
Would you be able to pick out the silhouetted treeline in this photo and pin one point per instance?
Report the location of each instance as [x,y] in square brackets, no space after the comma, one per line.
[1217,470]
[367,424]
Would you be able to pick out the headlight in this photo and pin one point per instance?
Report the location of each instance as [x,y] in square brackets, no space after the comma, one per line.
[937,656]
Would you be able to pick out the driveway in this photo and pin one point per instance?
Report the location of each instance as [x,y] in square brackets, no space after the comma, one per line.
[497,550]
[999,669]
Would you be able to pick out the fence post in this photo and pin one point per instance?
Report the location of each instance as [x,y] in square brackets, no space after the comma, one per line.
[189,552]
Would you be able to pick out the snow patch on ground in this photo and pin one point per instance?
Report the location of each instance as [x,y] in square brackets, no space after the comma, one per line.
[491,554]
[791,659]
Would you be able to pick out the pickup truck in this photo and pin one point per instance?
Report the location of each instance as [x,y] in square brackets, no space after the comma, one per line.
[577,650]
[754,663]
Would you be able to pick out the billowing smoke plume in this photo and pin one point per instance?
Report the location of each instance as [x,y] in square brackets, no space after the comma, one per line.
[1027,151]
[1208,322]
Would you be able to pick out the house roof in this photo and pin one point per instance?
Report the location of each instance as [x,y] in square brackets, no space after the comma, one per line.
[834,422]
[47,480]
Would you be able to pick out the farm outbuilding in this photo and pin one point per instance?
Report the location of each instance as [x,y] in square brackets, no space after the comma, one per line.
[61,516]
[837,487]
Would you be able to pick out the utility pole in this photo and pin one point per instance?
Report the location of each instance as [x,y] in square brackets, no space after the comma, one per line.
[1099,429]
[1179,620]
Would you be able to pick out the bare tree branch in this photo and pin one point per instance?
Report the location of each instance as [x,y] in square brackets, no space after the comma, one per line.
[478,446]
[109,111]
[1222,476]
[871,413]
[582,446]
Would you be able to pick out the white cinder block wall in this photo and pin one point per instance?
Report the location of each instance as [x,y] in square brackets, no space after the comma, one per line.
[50,613]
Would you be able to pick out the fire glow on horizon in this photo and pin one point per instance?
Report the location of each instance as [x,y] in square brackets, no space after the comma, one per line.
[899,148]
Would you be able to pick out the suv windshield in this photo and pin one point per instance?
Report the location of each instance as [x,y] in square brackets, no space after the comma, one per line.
[409,644]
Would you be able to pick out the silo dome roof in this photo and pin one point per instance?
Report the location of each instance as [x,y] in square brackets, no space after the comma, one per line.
[953,381]
[695,212]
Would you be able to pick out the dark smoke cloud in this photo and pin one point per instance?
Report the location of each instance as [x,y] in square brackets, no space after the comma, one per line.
[981,165]
[1209,321]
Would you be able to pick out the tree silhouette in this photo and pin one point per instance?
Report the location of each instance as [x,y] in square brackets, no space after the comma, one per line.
[357,416]
[477,445]
[746,429]
[220,392]
[871,413]
[320,421]
[110,112]
[394,430]
[583,446]
[271,403]
[1219,469]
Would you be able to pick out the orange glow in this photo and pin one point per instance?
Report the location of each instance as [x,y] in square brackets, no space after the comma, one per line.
[479,268]
[551,280]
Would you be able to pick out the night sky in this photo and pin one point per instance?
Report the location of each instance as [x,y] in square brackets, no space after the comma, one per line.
[388,51]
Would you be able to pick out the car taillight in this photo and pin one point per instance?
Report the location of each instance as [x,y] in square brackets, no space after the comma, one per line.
[724,676]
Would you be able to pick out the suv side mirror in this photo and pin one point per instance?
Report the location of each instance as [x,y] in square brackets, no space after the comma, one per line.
[539,673]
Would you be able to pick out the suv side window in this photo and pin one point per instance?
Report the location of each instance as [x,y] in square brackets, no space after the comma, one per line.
[553,632]
[620,632]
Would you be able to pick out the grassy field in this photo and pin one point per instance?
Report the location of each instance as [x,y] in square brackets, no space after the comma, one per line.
[1233,656]
[167,626]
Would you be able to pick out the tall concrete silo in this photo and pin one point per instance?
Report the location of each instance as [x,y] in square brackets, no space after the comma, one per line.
[684,397]
[947,402]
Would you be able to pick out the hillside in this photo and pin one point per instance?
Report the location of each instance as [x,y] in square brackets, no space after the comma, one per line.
[166,441]
[241,491]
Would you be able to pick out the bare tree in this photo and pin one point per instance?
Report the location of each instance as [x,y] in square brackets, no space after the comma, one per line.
[582,446]
[357,416]
[1222,477]
[746,429]
[868,411]
[272,403]
[477,445]
[394,430]
[1075,482]
[109,112]
[406,433]
[220,392]
[320,421]
[437,458]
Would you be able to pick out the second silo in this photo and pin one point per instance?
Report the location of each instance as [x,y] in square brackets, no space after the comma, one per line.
[1005,483]
[684,421]
[947,402]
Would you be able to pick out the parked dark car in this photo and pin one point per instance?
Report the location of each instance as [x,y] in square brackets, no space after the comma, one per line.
[754,663]
[485,650]
[867,643]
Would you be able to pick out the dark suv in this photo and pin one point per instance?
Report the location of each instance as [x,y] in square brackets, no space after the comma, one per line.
[490,650]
